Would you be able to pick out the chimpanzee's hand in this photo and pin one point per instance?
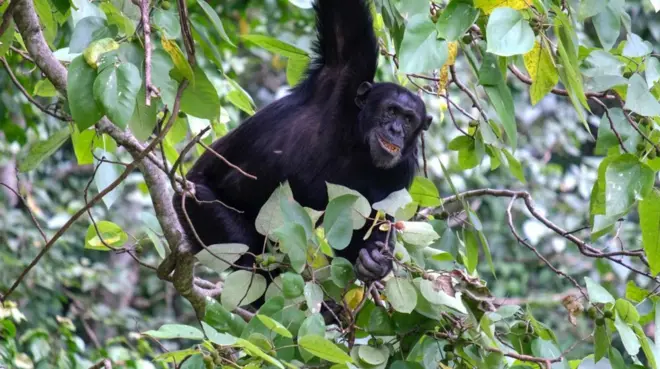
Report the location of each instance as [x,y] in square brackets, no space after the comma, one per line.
[372,263]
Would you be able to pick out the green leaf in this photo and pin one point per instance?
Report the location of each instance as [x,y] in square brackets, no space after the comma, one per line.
[116,17]
[636,47]
[87,30]
[634,293]
[216,337]
[608,26]
[401,294]
[542,71]
[43,149]
[628,337]
[158,244]
[606,137]
[649,220]
[455,20]
[144,118]
[172,331]
[499,95]
[221,319]
[242,288]
[110,233]
[514,166]
[175,356]
[181,64]
[627,180]
[639,99]
[49,25]
[270,215]
[424,192]
[647,348]
[293,285]
[295,70]
[45,88]
[255,351]
[598,294]
[324,349]
[276,46]
[313,296]
[239,97]
[7,38]
[80,94]
[220,257]
[361,208]
[461,142]
[472,251]
[116,89]
[82,145]
[215,20]
[341,272]
[567,52]
[201,100]
[421,51]
[434,293]
[652,70]
[547,349]
[337,221]
[295,213]
[508,33]
[393,202]
[293,242]
[374,355]
[418,234]
[274,326]
[601,342]
[167,22]
[314,325]
[626,311]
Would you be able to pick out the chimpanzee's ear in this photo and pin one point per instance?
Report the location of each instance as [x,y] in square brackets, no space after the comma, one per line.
[427,122]
[362,92]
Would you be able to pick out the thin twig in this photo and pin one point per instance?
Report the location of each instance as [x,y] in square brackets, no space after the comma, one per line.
[231,165]
[452,117]
[34,219]
[522,241]
[27,94]
[466,90]
[557,91]
[609,118]
[103,364]
[527,358]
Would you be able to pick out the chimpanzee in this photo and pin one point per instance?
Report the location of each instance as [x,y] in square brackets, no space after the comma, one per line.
[336,126]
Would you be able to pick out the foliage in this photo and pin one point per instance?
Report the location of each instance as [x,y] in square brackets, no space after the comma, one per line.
[534,223]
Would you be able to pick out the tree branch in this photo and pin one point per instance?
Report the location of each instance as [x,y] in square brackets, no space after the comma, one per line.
[180,260]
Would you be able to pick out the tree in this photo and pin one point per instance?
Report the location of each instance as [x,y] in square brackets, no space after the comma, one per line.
[139,90]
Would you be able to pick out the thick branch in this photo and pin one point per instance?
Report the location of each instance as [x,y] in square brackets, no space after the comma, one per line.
[27,23]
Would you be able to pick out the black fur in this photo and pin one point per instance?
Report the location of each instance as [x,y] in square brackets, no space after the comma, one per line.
[317,134]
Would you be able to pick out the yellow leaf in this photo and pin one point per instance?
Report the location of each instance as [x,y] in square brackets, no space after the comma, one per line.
[487,6]
[451,60]
[316,259]
[243,26]
[453,51]
[354,297]
[180,62]
[542,71]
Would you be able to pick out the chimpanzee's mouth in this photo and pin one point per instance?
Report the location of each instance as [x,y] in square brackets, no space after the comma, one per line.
[388,146]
